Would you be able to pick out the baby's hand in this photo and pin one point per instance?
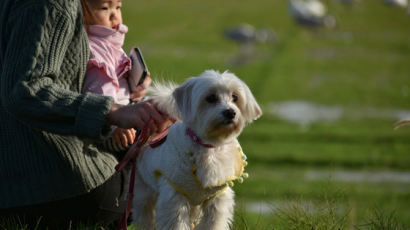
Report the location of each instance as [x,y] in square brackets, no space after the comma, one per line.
[142,89]
[124,137]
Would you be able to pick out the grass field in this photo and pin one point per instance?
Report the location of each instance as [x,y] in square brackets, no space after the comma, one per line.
[352,172]
[355,167]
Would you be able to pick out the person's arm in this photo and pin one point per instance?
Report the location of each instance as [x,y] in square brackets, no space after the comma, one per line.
[30,89]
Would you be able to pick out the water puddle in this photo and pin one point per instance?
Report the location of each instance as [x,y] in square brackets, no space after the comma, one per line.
[262,207]
[272,207]
[359,176]
[305,113]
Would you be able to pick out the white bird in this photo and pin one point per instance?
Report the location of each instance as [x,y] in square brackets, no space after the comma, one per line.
[399,3]
[311,13]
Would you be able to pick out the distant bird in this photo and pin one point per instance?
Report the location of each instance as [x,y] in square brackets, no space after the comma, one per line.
[246,36]
[311,13]
[246,33]
[399,3]
[241,34]
[347,2]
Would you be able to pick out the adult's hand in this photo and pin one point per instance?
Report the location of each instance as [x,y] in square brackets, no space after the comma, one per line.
[142,89]
[136,116]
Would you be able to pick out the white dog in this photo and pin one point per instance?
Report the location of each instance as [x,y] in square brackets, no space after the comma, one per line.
[185,181]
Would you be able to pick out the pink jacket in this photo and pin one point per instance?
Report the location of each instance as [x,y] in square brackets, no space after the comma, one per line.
[108,64]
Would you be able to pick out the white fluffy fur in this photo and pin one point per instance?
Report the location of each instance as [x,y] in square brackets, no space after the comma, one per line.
[157,204]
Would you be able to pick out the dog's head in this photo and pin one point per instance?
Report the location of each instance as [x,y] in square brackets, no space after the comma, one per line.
[216,106]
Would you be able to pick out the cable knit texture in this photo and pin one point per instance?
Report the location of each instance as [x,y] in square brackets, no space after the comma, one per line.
[49,131]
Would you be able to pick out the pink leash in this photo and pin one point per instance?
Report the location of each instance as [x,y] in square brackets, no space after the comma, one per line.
[131,156]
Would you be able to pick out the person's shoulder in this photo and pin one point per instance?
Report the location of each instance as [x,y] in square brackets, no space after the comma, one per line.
[64,4]
[47,3]
[68,7]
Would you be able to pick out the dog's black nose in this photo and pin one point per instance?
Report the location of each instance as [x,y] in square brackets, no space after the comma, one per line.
[229,114]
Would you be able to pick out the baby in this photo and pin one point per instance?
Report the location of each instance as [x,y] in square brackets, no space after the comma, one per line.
[108,66]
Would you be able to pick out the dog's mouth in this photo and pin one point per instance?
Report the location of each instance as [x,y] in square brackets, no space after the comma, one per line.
[229,125]
[223,129]
[228,122]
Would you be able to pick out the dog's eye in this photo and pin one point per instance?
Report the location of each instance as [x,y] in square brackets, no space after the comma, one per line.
[211,98]
[234,97]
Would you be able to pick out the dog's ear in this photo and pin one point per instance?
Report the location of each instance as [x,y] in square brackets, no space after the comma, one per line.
[182,97]
[252,110]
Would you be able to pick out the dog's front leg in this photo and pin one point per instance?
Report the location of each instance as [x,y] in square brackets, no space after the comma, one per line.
[172,209]
[144,205]
[218,212]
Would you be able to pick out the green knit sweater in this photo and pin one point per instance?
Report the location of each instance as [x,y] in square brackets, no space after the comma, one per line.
[48,130]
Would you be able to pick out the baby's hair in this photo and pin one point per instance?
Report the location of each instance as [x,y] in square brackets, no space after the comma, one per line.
[87,13]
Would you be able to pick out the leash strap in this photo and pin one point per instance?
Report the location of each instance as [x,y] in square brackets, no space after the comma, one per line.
[134,149]
[131,156]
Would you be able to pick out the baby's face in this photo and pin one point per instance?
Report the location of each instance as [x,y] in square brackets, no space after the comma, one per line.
[106,13]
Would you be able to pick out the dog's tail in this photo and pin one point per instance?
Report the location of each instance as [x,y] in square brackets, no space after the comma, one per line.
[161,96]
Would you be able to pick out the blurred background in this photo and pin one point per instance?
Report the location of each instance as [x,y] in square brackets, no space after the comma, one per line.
[332,77]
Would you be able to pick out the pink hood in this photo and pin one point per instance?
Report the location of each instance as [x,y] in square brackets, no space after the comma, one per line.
[106,51]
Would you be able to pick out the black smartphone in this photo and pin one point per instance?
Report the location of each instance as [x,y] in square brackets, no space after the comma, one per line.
[139,69]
